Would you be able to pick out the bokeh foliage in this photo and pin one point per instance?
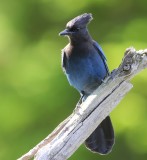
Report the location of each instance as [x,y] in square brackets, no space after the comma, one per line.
[34,93]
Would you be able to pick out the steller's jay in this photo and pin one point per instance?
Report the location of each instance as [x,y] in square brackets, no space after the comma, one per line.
[84,64]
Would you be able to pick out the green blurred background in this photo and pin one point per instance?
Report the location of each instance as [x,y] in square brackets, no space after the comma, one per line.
[34,93]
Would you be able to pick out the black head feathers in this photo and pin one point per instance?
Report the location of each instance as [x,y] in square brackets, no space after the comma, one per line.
[77,27]
[80,21]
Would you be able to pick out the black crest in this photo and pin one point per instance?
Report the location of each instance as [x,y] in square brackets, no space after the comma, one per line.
[80,21]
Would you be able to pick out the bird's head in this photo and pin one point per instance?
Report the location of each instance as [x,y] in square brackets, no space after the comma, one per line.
[77,26]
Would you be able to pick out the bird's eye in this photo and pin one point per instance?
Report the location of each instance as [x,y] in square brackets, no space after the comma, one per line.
[74,29]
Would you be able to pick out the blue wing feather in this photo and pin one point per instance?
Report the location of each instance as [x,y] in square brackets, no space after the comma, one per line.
[101,53]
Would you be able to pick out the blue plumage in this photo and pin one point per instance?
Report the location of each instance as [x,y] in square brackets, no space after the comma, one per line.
[84,64]
[85,70]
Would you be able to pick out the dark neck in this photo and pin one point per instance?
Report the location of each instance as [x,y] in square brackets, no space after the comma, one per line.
[79,39]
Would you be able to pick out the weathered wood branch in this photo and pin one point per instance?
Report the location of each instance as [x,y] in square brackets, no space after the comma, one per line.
[73,131]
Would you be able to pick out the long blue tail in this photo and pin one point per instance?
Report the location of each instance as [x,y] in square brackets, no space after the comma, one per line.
[102,139]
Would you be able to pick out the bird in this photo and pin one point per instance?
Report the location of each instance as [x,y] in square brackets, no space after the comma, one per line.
[84,64]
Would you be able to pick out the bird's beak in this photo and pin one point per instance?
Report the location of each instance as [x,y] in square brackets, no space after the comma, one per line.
[64,33]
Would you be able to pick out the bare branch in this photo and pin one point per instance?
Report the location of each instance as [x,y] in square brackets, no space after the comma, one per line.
[73,131]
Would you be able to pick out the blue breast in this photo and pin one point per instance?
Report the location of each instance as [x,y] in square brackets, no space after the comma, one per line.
[86,73]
